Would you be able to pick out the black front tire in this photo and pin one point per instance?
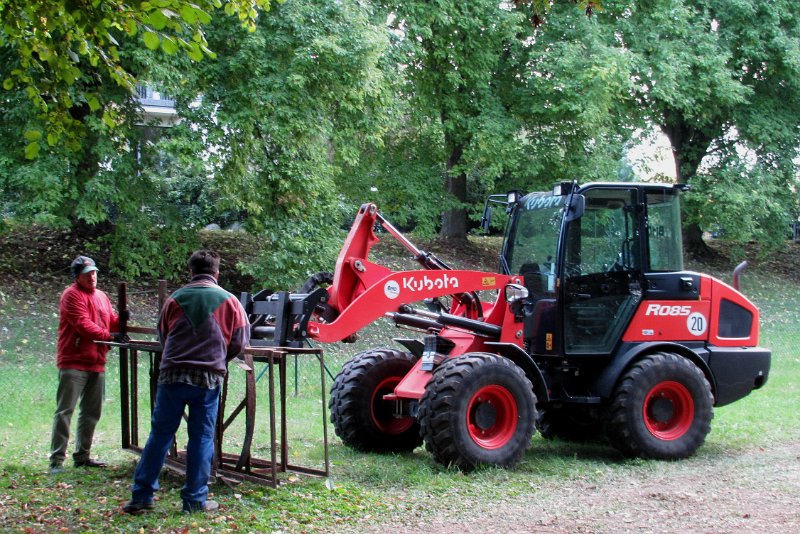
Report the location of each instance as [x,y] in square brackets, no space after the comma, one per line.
[360,416]
[478,408]
[662,408]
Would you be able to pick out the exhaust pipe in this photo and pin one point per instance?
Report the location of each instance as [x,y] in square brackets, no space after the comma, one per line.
[736,272]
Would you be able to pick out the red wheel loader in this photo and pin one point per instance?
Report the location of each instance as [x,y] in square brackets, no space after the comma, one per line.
[591,327]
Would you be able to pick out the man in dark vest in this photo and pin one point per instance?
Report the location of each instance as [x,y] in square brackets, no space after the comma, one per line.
[201,327]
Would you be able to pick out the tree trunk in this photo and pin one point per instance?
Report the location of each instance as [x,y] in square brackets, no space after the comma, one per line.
[454,220]
[87,165]
[689,146]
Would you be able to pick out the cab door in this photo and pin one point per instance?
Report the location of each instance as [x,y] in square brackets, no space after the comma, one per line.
[602,270]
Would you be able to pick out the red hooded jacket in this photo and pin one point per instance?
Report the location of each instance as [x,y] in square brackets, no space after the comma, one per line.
[83,317]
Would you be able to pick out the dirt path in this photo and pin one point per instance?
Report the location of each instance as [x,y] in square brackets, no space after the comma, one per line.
[752,491]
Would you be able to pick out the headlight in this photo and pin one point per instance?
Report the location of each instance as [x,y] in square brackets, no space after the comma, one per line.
[515,292]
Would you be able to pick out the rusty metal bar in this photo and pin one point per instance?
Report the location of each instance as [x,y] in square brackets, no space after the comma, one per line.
[249,403]
[162,294]
[125,407]
[280,355]
[122,307]
[122,304]
[284,432]
[134,363]
[322,371]
[273,442]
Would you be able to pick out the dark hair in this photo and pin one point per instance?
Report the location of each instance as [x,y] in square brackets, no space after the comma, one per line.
[204,262]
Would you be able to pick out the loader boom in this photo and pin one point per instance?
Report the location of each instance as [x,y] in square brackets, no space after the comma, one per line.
[362,291]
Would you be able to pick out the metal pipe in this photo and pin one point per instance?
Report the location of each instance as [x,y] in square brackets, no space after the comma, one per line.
[398,235]
[736,272]
[423,323]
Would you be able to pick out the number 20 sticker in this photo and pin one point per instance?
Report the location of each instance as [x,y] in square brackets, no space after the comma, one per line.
[696,323]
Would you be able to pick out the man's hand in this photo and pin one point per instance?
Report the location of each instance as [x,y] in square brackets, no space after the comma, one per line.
[120,338]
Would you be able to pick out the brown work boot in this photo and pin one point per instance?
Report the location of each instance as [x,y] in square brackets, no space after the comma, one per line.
[90,463]
[136,507]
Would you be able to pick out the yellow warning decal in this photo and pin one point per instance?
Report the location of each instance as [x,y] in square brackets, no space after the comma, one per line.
[489,280]
[548,341]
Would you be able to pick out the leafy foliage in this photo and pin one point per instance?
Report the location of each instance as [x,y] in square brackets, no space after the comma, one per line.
[745,201]
[285,108]
[489,102]
[58,44]
[453,51]
[423,108]
[573,102]
[719,77]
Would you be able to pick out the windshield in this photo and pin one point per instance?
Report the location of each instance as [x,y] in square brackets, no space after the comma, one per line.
[532,242]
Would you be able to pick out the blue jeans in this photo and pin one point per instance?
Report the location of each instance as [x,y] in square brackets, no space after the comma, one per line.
[170,401]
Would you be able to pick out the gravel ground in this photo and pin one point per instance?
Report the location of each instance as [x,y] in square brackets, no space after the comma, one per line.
[752,491]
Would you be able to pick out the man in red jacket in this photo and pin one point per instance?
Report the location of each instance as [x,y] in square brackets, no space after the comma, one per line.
[85,316]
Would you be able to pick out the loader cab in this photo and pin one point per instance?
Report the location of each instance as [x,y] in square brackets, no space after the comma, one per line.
[584,253]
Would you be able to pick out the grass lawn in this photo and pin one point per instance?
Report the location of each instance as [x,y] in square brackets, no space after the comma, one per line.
[364,491]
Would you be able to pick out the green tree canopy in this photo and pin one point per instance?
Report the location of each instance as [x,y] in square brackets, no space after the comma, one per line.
[722,81]
[422,107]
[65,49]
[281,111]
[488,99]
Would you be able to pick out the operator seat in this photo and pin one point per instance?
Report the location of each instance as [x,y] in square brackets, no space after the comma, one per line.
[541,318]
[533,279]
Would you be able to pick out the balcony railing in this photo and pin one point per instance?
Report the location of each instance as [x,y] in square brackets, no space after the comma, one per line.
[151,97]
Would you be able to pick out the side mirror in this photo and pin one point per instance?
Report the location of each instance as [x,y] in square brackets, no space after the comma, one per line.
[575,207]
[486,219]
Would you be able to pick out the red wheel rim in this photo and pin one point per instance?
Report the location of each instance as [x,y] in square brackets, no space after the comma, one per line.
[668,410]
[492,417]
[381,410]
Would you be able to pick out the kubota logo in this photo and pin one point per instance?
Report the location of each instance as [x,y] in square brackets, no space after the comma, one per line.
[391,289]
[412,283]
[668,311]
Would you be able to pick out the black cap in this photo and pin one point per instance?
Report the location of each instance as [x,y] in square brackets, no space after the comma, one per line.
[81,265]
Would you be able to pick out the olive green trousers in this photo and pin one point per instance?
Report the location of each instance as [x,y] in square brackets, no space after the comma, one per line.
[74,387]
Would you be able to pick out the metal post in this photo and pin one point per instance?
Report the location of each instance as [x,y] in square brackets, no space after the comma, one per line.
[124,393]
[122,304]
[273,440]
[162,294]
[284,429]
[322,369]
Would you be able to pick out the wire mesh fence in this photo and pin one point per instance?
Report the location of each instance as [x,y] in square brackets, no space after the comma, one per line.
[28,374]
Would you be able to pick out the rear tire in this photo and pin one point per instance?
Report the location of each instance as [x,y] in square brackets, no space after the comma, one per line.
[321,279]
[360,416]
[478,408]
[662,408]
